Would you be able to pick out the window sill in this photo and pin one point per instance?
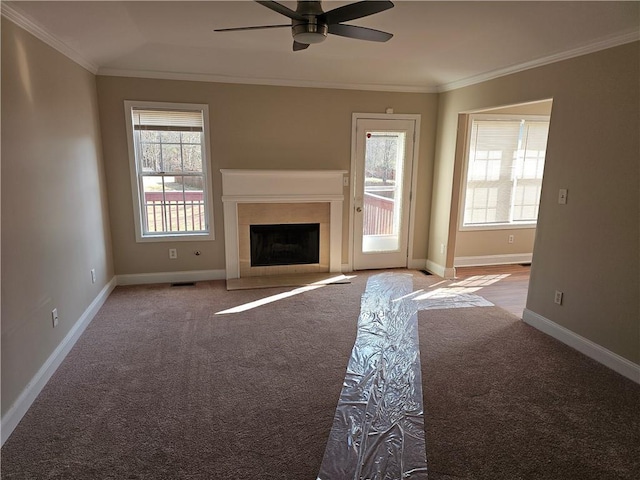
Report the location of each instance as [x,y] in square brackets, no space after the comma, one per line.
[195,237]
[501,226]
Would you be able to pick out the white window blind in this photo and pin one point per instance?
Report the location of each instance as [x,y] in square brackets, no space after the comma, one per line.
[145,119]
[504,171]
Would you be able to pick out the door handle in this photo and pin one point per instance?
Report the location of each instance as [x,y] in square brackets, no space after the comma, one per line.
[358,209]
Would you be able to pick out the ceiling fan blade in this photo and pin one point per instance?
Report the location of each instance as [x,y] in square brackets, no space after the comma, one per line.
[353,11]
[282,10]
[299,46]
[258,27]
[361,33]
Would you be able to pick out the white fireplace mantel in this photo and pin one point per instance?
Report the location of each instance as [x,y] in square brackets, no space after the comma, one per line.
[281,186]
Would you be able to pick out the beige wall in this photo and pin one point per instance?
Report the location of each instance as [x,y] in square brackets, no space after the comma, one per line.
[259,127]
[54,218]
[479,243]
[588,248]
[494,242]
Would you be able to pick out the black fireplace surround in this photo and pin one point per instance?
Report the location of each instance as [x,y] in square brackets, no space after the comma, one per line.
[285,244]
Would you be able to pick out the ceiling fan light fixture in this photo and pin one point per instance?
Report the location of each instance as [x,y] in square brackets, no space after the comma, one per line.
[310,33]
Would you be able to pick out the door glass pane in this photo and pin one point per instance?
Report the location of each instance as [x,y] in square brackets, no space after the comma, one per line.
[384,167]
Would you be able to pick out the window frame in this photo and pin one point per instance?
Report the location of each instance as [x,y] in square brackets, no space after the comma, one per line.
[134,174]
[465,171]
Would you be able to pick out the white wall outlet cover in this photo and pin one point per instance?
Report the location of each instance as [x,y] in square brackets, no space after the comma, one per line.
[562,196]
[558,297]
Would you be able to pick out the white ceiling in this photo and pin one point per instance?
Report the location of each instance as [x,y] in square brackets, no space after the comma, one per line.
[436,45]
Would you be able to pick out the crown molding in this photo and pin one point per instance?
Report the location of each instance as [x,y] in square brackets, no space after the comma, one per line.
[602,44]
[277,82]
[19,18]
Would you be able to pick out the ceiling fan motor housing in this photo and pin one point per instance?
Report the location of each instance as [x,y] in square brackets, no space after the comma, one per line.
[309,31]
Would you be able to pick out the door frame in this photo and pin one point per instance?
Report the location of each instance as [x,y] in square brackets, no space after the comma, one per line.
[414,178]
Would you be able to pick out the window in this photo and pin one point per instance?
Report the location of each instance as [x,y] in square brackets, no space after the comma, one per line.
[168,150]
[505,161]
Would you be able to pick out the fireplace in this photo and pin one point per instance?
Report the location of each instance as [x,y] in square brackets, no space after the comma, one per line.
[281,216]
[285,244]
[282,198]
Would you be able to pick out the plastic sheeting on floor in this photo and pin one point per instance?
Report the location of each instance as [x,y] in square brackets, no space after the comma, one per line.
[378,427]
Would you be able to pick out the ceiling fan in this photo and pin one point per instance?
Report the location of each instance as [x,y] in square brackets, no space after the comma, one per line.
[310,24]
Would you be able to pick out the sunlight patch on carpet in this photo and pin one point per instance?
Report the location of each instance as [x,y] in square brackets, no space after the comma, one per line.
[280,296]
[457,297]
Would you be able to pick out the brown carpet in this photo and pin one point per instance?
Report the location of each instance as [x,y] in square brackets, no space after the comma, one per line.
[159,387]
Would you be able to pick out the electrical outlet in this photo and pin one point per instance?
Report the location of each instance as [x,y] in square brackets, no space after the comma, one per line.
[511,238]
[442,248]
[173,253]
[562,196]
[93,275]
[558,298]
[54,317]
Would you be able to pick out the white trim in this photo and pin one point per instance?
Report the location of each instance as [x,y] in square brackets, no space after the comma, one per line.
[414,188]
[496,226]
[352,188]
[603,44]
[439,270]
[277,174]
[282,198]
[20,407]
[23,21]
[276,82]
[481,260]
[592,350]
[170,277]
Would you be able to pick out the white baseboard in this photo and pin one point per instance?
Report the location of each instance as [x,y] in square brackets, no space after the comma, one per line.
[590,349]
[440,270]
[483,260]
[171,277]
[15,413]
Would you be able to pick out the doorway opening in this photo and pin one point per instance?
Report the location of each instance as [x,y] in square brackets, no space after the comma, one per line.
[500,157]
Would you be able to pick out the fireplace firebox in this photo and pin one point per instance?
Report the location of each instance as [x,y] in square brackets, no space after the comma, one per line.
[285,244]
